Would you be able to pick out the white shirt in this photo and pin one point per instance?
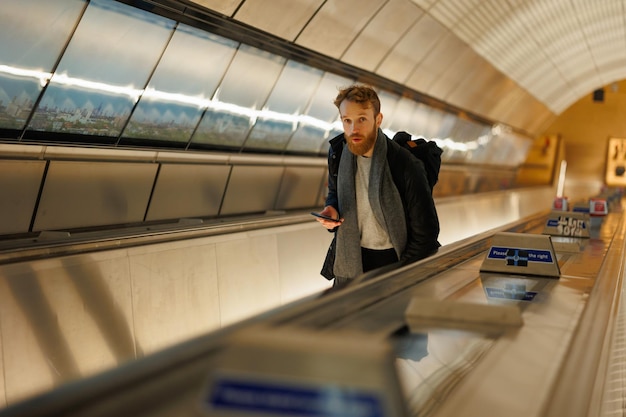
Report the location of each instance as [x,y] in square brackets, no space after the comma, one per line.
[373,235]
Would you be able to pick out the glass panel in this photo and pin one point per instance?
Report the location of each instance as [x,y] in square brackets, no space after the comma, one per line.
[481,149]
[244,91]
[441,124]
[421,117]
[33,34]
[401,118]
[290,97]
[103,71]
[388,103]
[461,131]
[463,141]
[181,86]
[507,147]
[322,121]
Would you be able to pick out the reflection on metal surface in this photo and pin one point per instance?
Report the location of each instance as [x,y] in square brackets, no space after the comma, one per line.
[20,182]
[83,194]
[120,186]
[442,372]
[431,364]
[426,313]
[298,188]
[502,289]
[251,189]
[194,190]
[74,316]
[148,292]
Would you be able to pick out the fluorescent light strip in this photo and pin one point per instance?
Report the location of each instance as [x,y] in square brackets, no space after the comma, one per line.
[214,104]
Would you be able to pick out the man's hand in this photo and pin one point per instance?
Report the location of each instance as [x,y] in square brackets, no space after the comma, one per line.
[330,211]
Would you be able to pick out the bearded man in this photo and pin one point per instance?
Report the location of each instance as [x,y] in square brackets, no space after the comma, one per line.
[377,192]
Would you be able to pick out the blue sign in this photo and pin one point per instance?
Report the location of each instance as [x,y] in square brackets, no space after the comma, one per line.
[255,397]
[517,257]
[520,257]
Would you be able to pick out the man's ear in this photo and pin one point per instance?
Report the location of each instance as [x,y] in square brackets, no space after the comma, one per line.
[379,119]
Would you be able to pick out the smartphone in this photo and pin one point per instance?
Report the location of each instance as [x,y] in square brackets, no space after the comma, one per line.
[321,216]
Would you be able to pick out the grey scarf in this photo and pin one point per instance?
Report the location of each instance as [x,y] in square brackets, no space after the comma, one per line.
[386,205]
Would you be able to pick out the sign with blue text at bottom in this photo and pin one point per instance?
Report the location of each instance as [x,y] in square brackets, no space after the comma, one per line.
[567,223]
[521,253]
[265,371]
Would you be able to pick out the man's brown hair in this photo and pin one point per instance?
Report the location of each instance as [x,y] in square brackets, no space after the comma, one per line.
[358,93]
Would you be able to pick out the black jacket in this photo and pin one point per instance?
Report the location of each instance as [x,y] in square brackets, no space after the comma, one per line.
[409,176]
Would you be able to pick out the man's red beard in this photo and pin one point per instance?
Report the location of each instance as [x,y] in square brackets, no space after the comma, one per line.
[364,145]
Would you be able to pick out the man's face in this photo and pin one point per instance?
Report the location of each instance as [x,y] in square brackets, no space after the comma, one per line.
[360,127]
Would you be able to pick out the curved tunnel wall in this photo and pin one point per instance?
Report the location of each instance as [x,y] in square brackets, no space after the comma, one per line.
[113,115]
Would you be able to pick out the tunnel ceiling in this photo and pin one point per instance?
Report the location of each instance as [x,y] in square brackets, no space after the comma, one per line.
[557,51]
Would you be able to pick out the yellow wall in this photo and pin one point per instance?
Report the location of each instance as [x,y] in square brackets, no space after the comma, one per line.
[539,167]
[585,129]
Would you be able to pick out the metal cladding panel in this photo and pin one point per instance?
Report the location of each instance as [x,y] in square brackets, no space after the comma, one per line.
[86,194]
[19,184]
[300,187]
[381,34]
[331,32]
[67,318]
[483,86]
[188,191]
[524,110]
[456,74]
[262,15]
[226,7]
[402,59]
[444,55]
[252,189]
